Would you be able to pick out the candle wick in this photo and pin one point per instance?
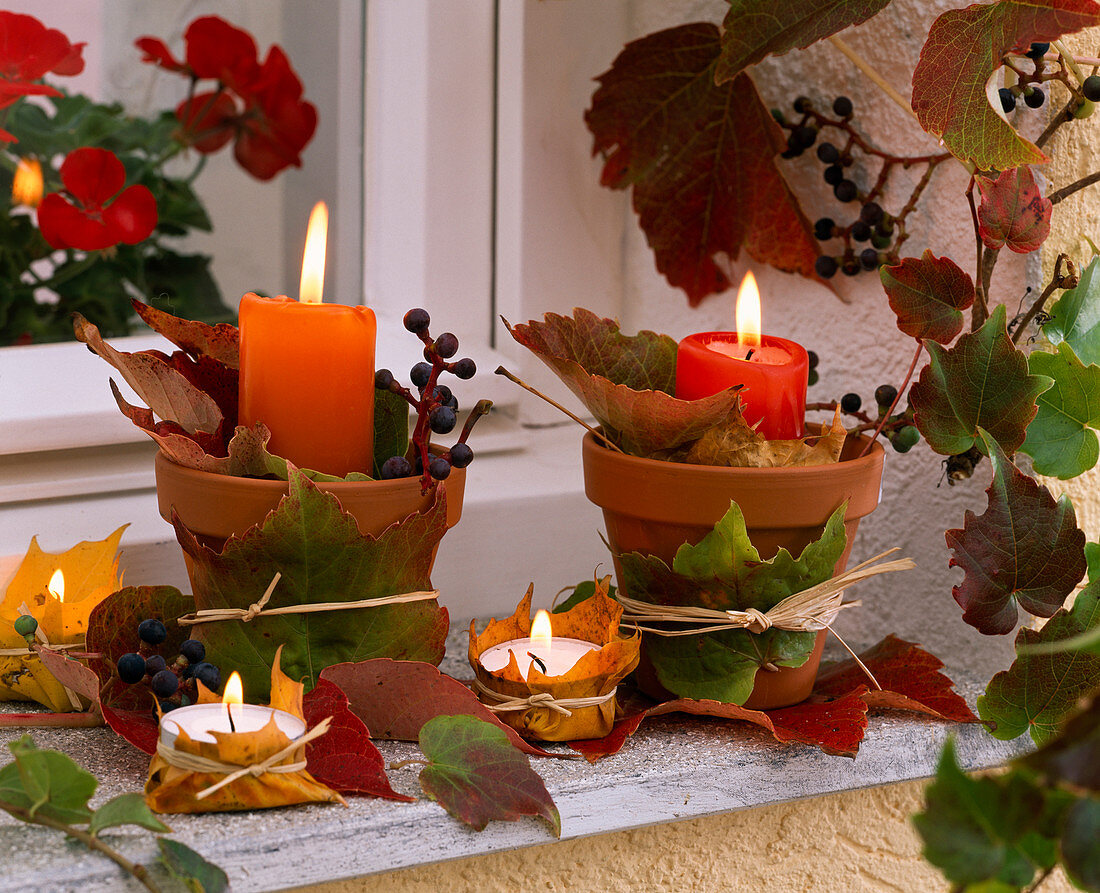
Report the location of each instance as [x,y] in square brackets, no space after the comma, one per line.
[538,660]
[748,356]
[229,711]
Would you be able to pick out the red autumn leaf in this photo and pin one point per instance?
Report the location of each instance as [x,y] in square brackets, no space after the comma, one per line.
[963,49]
[29,51]
[928,295]
[1025,550]
[476,774]
[219,342]
[754,29]
[1013,211]
[71,673]
[626,381]
[396,698]
[344,757]
[724,191]
[99,212]
[595,749]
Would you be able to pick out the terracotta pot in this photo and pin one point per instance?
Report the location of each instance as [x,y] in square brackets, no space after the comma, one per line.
[654,507]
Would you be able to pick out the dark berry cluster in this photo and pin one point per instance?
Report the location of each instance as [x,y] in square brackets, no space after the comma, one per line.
[898,428]
[436,406]
[1029,83]
[173,685]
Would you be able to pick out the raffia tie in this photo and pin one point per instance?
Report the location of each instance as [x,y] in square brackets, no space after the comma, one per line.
[192,762]
[510,704]
[245,615]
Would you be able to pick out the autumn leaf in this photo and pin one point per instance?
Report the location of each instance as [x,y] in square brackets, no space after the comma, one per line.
[626,381]
[323,558]
[199,339]
[928,295]
[1013,212]
[754,29]
[476,774]
[1025,550]
[736,444]
[963,49]
[1041,688]
[981,382]
[1075,317]
[700,159]
[1061,438]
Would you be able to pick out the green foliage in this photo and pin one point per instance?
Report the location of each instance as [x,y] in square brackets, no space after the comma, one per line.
[581,592]
[184,864]
[391,427]
[1075,317]
[1061,438]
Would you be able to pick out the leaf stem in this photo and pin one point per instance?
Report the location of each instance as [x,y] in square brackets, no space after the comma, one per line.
[897,397]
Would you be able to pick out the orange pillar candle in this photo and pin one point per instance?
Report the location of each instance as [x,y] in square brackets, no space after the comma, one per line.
[307,371]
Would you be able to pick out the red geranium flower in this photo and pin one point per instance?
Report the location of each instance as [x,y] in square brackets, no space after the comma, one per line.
[93,177]
[28,51]
[258,106]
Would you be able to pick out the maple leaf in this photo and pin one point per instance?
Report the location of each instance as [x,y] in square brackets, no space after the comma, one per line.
[758,28]
[626,381]
[1075,317]
[700,158]
[1041,688]
[323,557]
[220,342]
[476,774]
[1073,756]
[1013,212]
[981,382]
[963,49]
[928,295]
[1025,550]
[1061,438]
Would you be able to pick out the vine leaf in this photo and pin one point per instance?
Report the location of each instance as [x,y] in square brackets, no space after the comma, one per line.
[184,864]
[626,381]
[1061,438]
[981,382]
[963,49]
[1073,757]
[928,295]
[1040,689]
[476,774]
[1025,550]
[46,783]
[700,158]
[1079,835]
[126,809]
[754,29]
[1013,211]
[1075,317]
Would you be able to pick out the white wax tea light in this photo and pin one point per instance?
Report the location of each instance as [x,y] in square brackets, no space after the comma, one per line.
[551,655]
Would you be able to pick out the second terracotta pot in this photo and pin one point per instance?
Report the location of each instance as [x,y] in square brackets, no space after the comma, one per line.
[654,507]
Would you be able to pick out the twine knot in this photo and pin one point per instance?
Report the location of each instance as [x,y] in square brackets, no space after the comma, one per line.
[758,621]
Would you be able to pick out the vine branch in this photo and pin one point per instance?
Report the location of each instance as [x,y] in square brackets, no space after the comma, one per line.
[1058,280]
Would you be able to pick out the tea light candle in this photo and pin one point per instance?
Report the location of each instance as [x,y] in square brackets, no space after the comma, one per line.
[551,655]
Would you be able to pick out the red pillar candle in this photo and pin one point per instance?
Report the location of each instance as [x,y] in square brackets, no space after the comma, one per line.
[774,371]
[307,372]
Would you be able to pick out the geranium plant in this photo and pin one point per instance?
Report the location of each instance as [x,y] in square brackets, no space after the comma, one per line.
[99,200]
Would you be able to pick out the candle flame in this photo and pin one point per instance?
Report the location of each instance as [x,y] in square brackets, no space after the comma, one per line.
[312,285]
[541,633]
[234,690]
[56,586]
[26,187]
[748,312]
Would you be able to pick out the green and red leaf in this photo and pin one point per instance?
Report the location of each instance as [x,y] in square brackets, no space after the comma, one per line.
[1013,212]
[928,295]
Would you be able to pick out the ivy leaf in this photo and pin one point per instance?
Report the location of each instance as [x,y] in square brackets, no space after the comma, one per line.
[323,557]
[1080,854]
[1013,212]
[626,381]
[46,783]
[754,29]
[185,865]
[963,49]
[220,342]
[126,809]
[1060,438]
[1041,688]
[1073,757]
[1026,549]
[981,382]
[476,774]
[928,295]
[1075,317]
[700,158]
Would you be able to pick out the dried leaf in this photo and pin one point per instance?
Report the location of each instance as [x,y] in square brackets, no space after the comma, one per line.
[1061,438]
[626,381]
[737,445]
[199,450]
[928,295]
[199,339]
[1075,317]
[963,49]
[1026,549]
[659,101]
[1013,212]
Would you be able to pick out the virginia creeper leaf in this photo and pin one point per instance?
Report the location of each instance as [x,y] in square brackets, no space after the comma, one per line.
[1075,317]
[928,295]
[1072,757]
[1061,438]
[1080,853]
[46,783]
[1040,689]
[126,809]
[981,382]
[1025,550]
[476,774]
[220,342]
[1013,212]
[963,49]
[700,158]
[184,864]
[754,29]
[626,381]
[323,557]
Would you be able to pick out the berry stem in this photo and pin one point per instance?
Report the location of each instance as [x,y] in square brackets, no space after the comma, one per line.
[481,408]
[1058,280]
[1065,57]
[886,415]
[877,79]
[831,405]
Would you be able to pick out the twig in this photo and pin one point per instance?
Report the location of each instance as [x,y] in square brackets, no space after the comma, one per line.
[877,79]
[1076,185]
[1058,280]
[897,397]
[500,370]
[981,309]
[1067,57]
